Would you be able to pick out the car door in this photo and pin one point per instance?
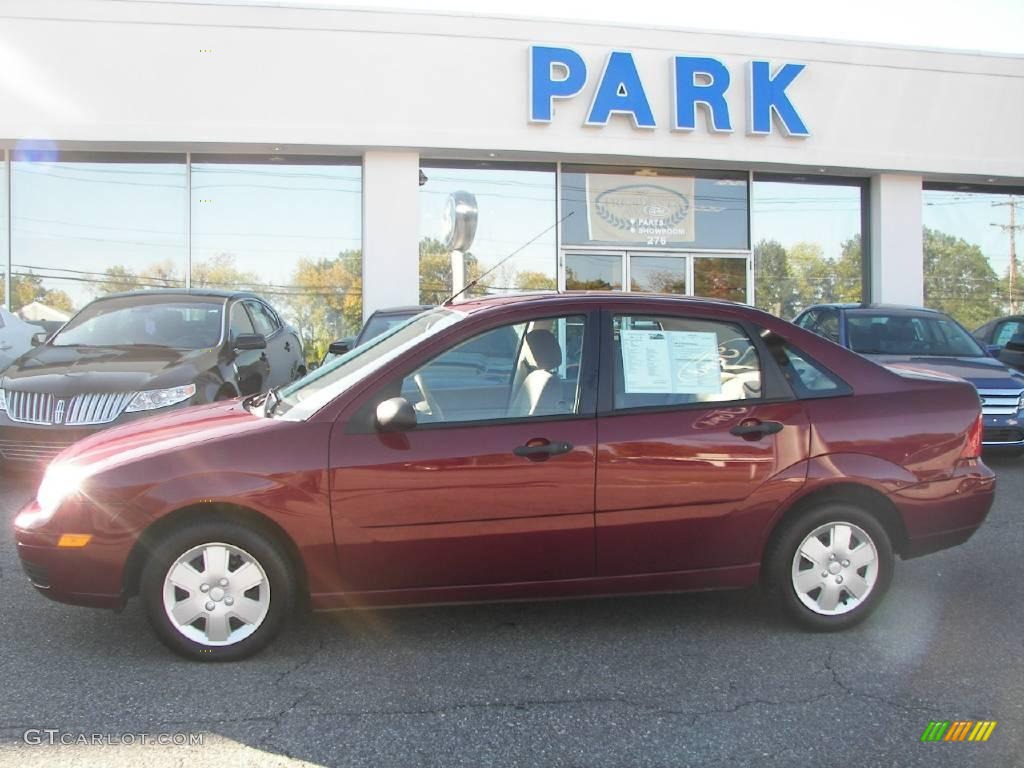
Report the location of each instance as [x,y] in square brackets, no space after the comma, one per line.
[699,440]
[495,483]
[280,353]
[250,366]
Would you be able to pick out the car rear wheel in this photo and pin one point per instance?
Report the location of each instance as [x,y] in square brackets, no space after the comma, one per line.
[217,590]
[831,566]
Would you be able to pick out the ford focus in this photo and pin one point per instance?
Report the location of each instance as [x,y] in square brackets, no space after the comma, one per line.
[521,447]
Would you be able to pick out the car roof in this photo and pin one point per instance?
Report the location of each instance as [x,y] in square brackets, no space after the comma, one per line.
[892,309]
[404,310]
[172,293]
[610,297]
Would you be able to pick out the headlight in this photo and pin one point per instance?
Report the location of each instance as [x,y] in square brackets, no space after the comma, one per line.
[160,398]
[60,482]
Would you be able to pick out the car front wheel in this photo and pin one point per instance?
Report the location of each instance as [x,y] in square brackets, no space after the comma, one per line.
[831,566]
[217,590]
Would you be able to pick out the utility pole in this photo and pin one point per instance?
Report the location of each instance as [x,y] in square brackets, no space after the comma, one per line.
[1012,228]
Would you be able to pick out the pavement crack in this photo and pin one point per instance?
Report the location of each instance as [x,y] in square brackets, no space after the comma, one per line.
[837,680]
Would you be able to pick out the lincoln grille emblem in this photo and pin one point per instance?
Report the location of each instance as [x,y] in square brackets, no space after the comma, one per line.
[58,412]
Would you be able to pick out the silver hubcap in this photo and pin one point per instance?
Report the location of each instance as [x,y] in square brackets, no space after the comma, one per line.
[835,568]
[216,594]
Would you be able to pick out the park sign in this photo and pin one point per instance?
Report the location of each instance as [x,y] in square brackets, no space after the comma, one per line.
[561,73]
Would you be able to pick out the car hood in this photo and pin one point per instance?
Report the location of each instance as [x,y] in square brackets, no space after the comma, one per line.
[982,372]
[67,371]
[164,434]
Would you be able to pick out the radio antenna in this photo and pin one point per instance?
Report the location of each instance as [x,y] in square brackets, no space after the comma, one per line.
[474,281]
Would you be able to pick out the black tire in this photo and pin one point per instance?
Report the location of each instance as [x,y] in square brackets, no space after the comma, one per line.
[779,563]
[262,548]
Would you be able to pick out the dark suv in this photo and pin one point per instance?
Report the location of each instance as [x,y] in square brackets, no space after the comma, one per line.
[129,355]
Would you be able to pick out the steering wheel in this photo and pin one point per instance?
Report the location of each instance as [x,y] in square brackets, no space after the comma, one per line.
[428,398]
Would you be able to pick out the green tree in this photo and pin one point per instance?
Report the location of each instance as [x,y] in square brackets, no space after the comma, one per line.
[959,280]
[849,270]
[58,300]
[773,285]
[436,272]
[219,271]
[325,298]
[118,278]
[813,275]
[528,280]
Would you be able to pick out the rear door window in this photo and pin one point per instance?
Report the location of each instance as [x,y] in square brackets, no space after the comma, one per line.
[664,361]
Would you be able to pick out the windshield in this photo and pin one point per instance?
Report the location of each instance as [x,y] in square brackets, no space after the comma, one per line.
[127,322]
[309,394]
[933,335]
[378,324]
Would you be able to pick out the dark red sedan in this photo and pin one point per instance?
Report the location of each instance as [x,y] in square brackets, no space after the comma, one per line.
[528,447]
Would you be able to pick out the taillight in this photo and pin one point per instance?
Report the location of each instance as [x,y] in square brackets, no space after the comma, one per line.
[972,445]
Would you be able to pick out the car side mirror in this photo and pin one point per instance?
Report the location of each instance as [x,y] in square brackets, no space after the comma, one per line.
[340,347]
[38,339]
[396,415]
[247,341]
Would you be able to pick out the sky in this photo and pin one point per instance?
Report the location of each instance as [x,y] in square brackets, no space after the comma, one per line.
[980,25]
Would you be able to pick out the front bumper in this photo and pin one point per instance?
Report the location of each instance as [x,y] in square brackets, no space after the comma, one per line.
[1001,431]
[92,575]
[36,445]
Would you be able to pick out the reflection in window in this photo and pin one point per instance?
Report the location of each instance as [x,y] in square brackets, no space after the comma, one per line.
[807,244]
[85,226]
[967,270]
[593,272]
[287,229]
[516,210]
[657,274]
[720,278]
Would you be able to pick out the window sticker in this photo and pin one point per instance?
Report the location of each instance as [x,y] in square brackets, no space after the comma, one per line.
[676,362]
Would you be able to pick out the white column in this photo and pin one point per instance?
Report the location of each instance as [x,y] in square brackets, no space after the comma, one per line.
[391,213]
[897,256]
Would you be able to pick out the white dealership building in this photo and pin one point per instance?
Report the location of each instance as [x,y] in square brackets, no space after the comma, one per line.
[320,155]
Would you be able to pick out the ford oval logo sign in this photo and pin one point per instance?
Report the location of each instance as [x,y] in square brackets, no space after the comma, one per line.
[634,206]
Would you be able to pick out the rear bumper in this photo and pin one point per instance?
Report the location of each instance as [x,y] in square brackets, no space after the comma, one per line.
[945,513]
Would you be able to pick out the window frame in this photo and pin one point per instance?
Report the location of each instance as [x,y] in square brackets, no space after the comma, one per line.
[775,388]
[240,303]
[275,322]
[363,418]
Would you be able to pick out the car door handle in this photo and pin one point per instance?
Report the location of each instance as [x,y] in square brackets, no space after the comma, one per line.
[756,429]
[541,449]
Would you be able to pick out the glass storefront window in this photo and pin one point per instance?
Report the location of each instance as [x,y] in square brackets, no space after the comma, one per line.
[967,270]
[85,225]
[289,229]
[515,209]
[807,242]
[720,278]
[593,272]
[646,207]
[657,274]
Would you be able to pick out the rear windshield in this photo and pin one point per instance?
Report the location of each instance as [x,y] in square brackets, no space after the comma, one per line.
[127,322]
[935,335]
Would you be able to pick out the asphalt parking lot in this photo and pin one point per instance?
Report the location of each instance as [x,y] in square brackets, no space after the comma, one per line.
[713,679]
